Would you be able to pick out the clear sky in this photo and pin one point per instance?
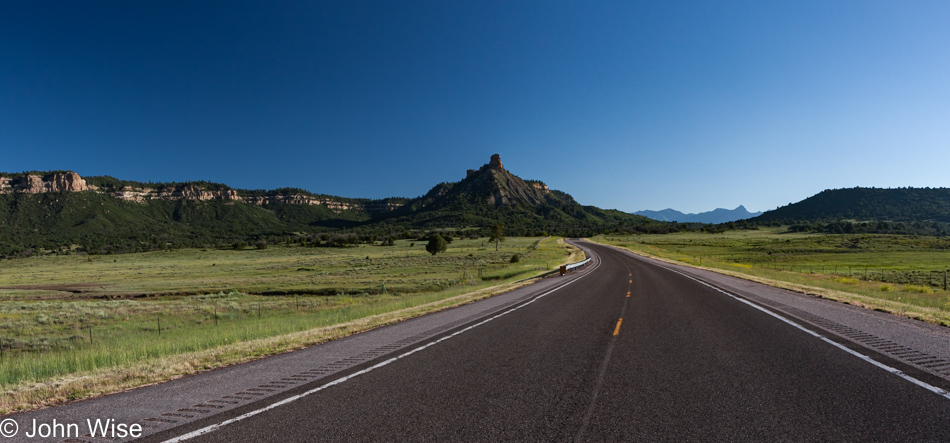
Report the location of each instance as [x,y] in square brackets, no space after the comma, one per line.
[629,105]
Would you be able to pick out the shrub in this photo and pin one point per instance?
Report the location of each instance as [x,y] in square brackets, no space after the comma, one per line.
[846,280]
[918,289]
[886,287]
[515,258]
[436,244]
[342,240]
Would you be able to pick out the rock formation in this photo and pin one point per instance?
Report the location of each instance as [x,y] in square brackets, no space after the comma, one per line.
[72,182]
[69,182]
[192,192]
[495,163]
[541,187]
[35,184]
[494,185]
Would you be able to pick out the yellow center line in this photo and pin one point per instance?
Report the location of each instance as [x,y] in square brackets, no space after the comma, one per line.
[628,294]
[617,330]
[631,281]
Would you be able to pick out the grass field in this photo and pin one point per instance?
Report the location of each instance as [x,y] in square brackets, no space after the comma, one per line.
[900,274]
[69,318]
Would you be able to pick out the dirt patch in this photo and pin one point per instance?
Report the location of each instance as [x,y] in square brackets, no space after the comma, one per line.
[75,288]
[61,291]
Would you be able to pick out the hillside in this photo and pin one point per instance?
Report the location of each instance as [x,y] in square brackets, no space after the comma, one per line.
[922,211]
[492,194]
[718,215]
[62,211]
[867,204]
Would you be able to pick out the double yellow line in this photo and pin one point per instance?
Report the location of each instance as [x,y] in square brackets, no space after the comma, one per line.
[619,322]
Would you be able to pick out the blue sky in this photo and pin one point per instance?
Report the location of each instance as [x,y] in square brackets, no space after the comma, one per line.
[628,105]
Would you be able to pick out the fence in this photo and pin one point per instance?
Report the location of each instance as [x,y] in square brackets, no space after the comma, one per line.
[936,279]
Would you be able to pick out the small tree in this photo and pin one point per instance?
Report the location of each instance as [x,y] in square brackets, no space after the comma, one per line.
[436,244]
[497,234]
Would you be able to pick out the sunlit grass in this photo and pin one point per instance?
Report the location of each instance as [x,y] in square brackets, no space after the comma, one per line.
[918,289]
[904,272]
[209,298]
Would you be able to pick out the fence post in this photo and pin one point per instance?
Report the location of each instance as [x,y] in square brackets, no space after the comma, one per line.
[944,280]
[159,325]
[216,315]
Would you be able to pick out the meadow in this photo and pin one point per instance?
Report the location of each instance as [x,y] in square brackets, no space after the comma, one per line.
[902,274]
[74,326]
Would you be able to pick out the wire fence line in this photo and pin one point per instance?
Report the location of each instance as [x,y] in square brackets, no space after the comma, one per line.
[933,278]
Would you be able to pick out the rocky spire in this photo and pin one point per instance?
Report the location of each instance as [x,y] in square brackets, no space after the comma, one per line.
[495,162]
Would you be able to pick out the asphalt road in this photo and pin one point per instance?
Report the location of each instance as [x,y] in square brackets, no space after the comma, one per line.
[686,362]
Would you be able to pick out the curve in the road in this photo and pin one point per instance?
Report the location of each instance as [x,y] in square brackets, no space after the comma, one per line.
[631,351]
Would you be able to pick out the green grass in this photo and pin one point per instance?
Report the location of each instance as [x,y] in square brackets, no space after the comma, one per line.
[206,299]
[892,269]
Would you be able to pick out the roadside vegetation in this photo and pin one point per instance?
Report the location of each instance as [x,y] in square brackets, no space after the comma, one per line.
[901,274]
[74,326]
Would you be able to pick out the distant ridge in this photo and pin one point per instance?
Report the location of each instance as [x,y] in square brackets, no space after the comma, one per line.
[62,212]
[867,204]
[718,215]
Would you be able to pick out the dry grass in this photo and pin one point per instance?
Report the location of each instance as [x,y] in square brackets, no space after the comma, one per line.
[29,395]
[929,314]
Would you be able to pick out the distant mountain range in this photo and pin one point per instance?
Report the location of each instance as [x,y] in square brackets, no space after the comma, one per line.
[62,211]
[716,216]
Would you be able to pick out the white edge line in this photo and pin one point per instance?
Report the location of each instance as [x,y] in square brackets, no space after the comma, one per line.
[287,400]
[892,370]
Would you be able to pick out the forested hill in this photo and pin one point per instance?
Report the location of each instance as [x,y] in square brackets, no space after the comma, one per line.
[492,194]
[867,204]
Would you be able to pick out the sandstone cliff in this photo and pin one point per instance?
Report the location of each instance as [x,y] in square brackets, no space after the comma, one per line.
[35,184]
[72,182]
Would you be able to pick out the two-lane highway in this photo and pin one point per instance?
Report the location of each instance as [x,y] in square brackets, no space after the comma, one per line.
[630,351]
